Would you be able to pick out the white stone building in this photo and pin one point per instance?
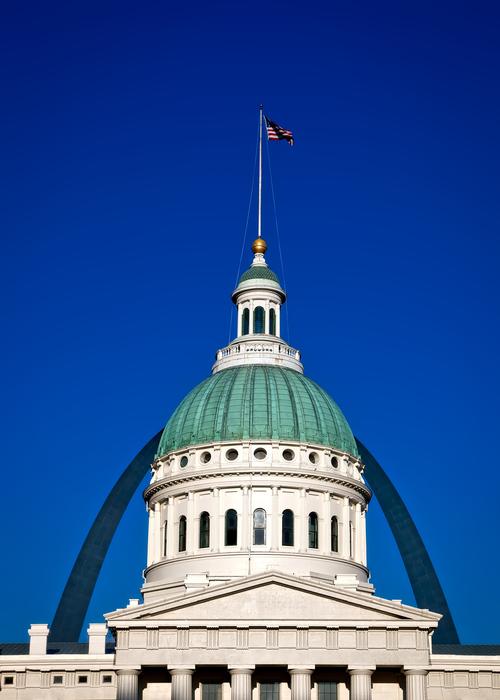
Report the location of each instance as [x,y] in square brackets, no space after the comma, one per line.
[256,585]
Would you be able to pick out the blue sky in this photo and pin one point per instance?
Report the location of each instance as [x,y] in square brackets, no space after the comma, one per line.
[128,140]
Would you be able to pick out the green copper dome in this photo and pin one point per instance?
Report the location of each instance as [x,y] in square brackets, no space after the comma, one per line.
[257,402]
[259,272]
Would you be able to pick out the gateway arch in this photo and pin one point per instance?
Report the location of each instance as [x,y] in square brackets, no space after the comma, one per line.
[72,608]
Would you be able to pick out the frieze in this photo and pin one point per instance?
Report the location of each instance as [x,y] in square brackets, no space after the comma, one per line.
[177,480]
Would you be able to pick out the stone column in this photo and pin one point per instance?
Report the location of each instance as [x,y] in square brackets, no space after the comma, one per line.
[275,521]
[128,684]
[361,683]
[182,682]
[170,527]
[241,682]
[151,526]
[157,531]
[416,684]
[301,682]
[345,533]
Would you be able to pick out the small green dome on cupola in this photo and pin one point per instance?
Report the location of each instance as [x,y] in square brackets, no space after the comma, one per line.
[259,273]
[257,402]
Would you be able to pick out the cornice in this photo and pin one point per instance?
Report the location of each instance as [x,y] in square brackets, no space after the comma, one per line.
[192,477]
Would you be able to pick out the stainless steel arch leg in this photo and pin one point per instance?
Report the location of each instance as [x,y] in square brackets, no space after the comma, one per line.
[72,608]
[423,578]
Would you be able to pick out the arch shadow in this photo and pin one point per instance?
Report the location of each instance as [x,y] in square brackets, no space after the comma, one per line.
[73,605]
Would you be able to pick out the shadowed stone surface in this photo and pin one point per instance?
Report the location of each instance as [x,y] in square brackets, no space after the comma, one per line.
[75,599]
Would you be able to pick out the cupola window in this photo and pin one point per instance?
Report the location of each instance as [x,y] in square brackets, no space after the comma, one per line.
[259,526]
[182,533]
[272,322]
[245,322]
[231,529]
[204,530]
[258,320]
[313,530]
[287,528]
[335,534]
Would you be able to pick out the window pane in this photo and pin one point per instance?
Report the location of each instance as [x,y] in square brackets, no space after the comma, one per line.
[287,528]
[269,691]
[313,531]
[258,319]
[245,322]
[272,322]
[211,691]
[182,534]
[204,530]
[327,691]
[259,526]
[231,534]
[335,535]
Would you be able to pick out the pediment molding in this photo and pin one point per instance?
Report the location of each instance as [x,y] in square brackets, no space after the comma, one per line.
[239,602]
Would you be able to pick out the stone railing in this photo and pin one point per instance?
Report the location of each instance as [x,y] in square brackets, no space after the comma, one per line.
[257,351]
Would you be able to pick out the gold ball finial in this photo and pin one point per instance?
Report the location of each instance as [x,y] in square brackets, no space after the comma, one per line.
[259,246]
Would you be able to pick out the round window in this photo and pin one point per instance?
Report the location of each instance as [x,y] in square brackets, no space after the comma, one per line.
[335,462]
[313,457]
[260,453]
[184,461]
[288,455]
[205,457]
[231,455]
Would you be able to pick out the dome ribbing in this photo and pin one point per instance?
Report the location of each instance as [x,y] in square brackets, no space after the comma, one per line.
[257,402]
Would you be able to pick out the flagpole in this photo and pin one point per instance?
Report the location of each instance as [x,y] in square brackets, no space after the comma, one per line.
[259,221]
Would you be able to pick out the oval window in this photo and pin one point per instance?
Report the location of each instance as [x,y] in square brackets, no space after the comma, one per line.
[288,455]
[260,453]
[205,457]
[184,461]
[231,455]
[313,457]
[335,462]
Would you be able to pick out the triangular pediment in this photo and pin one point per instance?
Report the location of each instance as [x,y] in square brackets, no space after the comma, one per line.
[274,597]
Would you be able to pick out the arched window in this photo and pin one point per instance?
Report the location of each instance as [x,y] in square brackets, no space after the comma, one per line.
[182,533]
[313,530]
[334,529]
[272,322]
[245,322]
[231,529]
[287,528]
[351,540]
[258,320]
[259,526]
[204,530]
[165,530]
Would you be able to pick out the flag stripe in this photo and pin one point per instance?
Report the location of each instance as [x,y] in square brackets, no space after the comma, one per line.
[275,132]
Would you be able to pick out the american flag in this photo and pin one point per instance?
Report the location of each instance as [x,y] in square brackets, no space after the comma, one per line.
[275,132]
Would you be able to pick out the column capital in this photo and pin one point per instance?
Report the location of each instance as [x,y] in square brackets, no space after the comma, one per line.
[415,671]
[305,670]
[365,671]
[128,671]
[181,670]
[248,670]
